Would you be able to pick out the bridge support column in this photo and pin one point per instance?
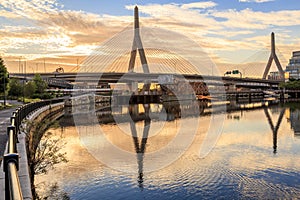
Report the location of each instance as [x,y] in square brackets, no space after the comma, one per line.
[250,98]
[133,87]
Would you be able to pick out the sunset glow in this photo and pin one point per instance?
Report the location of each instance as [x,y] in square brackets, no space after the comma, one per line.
[47,34]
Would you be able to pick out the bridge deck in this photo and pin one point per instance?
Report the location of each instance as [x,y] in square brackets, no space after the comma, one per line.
[115,77]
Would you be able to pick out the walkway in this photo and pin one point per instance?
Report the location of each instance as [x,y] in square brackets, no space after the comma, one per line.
[4,122]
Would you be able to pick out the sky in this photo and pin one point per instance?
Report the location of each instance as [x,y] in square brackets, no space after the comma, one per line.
[61,33]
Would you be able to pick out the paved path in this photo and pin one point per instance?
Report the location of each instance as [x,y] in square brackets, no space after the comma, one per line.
[4,122]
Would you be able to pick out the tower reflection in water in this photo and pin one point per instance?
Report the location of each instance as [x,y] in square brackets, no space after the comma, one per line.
[275,127]
[169,112]
[140,149]
[293,116]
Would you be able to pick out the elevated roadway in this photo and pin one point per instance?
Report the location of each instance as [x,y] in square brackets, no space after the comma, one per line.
[113,77]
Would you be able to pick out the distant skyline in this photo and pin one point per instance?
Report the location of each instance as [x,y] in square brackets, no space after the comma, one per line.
[64,32]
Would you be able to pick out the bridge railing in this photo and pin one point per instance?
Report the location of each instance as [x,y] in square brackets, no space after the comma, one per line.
[11,158]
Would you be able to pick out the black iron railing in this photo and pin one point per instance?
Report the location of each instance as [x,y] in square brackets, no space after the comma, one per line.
[11,158]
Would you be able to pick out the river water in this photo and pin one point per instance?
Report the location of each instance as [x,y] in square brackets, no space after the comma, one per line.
[160,152]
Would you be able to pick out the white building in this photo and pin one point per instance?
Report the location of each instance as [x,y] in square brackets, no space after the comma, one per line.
[293,68]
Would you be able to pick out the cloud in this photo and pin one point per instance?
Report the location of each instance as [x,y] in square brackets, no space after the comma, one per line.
[48,29]
[174,14]
[34,9]
[199,5]
[213,34]
[249,19]
[256,1]
[7,14]
[53,29]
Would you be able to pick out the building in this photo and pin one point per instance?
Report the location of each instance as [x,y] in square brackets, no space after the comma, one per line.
[274,76]
[293,68]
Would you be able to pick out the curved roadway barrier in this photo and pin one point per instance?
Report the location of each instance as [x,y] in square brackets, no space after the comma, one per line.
[15,181]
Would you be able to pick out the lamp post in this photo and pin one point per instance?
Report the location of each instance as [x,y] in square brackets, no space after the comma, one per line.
[24,80]
[4,100]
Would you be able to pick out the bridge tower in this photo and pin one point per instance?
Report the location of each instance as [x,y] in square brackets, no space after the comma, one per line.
[137,45]
[272,57]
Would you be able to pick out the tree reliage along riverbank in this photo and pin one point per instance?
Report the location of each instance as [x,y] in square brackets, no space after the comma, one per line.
[34,133]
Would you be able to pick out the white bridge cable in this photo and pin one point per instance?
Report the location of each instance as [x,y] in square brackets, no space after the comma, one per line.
[163,54]
[254,65]
[282,59]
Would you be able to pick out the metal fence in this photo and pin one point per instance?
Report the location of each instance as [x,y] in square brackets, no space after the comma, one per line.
[11,158]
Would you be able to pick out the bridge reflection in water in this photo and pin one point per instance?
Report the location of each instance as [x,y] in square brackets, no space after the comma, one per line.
[140,149]
[242,161]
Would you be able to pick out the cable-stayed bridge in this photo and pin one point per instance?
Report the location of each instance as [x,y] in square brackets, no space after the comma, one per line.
[114,62]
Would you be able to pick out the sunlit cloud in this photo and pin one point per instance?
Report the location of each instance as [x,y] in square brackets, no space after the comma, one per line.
[30,9]
[42,28]
[201,5]
[175,14]
[249,19]
[256,1]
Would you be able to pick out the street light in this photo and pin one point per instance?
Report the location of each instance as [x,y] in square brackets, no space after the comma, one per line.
[4,102]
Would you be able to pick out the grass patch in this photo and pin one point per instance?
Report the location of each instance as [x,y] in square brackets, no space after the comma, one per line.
[7,106]
[28,100]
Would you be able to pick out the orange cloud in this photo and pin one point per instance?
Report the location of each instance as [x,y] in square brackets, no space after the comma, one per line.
[50,31]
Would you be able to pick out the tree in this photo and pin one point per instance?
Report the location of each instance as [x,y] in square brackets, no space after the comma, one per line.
[41,85]
[3,76]
[15,88]
[43,151]
[29,89]
[48,154]
[36,88]
[291,84]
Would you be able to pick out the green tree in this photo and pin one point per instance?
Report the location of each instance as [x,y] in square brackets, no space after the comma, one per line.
[3,76]
[29,89]
[15,88]
[41,85]
[48,154]
[43,150]
[291,84]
